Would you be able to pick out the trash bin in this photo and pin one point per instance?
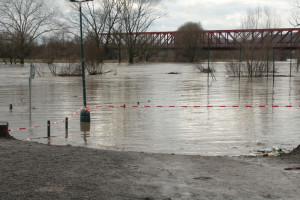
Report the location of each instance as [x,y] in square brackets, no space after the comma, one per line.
[85,115]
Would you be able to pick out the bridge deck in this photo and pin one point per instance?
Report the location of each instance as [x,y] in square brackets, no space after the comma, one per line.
[283,38]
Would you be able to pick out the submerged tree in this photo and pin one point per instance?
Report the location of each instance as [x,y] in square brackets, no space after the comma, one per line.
[256,56]
[188,39]
[295,21]
[99,16]
[126,18]
[25,21]
[295,13]
[136,17]
[7,47]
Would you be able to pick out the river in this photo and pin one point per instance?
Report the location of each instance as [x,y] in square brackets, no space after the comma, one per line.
[155,125]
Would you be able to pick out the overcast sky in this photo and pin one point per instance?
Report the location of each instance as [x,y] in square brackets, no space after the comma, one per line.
[215,14]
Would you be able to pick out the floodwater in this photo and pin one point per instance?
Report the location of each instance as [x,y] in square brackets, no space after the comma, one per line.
[181,130]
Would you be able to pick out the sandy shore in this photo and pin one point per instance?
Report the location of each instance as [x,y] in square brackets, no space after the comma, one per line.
[36,171]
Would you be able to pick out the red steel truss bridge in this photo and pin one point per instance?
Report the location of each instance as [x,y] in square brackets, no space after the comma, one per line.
[283,38]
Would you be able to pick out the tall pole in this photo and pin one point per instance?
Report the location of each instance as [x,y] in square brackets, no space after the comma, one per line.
[208,67]
[30,94]
[31,76]
[268,63]
[240,61]
[291,63]
[273,67]
[82,58]
[85,112]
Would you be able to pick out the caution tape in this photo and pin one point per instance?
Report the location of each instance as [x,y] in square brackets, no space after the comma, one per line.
[198,106]
[157,106]
[53,123]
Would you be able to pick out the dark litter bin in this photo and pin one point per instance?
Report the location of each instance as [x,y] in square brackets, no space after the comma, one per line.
[85,115]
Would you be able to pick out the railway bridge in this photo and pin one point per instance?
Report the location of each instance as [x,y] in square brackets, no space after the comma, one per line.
[280,38]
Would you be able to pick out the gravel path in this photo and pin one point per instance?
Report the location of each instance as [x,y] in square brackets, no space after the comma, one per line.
[36,171]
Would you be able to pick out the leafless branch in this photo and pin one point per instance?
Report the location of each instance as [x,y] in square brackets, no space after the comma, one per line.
[26,20]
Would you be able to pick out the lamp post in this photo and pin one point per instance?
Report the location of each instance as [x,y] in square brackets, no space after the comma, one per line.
[84,114]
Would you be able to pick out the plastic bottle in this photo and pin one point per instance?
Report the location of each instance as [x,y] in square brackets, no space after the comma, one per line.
[277,149]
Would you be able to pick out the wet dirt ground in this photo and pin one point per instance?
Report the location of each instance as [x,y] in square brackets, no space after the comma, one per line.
[37,171]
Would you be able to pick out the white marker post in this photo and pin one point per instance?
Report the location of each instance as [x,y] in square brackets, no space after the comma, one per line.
[32,75]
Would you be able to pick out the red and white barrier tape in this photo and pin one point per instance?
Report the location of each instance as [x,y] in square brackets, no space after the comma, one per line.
[207,106]
[53,123]
[159,106]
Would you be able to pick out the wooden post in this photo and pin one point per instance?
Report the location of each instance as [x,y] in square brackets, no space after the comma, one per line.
[66,123]
[48,128]
[4,129]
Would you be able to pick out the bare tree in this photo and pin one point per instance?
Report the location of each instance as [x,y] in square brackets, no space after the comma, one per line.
[189,38]
[26,20]
[137,16]
[295,14]
[260,18]
[256,60]
[115,17]
[93,58]
[7,48]
[295,21]
[99,16]
[53,48]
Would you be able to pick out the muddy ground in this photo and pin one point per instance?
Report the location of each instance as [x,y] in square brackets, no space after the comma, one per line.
[36,171]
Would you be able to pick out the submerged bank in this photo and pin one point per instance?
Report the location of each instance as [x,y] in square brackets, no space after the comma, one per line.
[36,171]
[173,122]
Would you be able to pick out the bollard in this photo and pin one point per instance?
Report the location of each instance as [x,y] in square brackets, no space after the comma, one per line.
[48,128]
[4,129]
[66,122]
[10,107]
[85,115]
[85,127]
[67,134]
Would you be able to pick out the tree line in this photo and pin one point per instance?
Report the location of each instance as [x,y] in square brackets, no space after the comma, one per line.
[247,60]
[38,29]
[28,26]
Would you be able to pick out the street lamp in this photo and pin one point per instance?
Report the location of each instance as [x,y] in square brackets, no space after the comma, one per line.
[84,114]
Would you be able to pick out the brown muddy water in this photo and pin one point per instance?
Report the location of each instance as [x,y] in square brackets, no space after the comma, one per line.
[201,131]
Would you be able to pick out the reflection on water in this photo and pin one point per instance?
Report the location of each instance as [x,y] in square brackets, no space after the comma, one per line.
[192,130]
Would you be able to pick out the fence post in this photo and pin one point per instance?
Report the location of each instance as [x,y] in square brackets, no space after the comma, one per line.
[268,63]
[273,67]
[66,122]
[291,63]
[240,61]
[208,68]
[48,128]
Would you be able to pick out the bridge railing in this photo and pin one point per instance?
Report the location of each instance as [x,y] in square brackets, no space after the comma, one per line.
[285,38]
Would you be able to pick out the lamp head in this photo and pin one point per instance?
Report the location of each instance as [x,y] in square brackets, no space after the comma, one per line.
[80,0]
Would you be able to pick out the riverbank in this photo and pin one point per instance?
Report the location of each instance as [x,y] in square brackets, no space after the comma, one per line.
[36,171]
